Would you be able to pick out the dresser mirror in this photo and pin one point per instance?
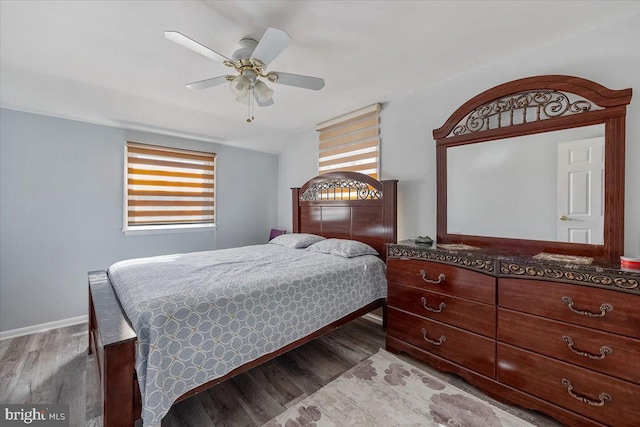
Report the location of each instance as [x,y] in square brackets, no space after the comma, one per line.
[535,165]
[554,191]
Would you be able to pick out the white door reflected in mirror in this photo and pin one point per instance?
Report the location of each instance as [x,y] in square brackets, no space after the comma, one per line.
[581,191]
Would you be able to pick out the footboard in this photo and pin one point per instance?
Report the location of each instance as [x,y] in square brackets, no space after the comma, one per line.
[112,341]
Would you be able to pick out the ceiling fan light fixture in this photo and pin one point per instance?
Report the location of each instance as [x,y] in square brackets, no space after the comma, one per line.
[240,86]
[243,99]
[262,91]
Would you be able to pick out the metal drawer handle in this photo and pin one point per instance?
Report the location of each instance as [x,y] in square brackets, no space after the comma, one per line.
[585,399]
[441,277]
[441,340]
[604,350]
[441,307]
[603,308]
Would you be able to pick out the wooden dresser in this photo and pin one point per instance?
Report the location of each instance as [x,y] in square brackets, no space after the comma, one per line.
[560,338]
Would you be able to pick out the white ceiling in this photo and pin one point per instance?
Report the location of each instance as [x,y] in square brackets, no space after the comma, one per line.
[108,62]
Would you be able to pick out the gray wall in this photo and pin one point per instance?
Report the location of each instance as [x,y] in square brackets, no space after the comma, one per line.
[608,55]
[61,201]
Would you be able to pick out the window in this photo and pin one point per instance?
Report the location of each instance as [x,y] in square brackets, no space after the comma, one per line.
[168,188]
[351,143]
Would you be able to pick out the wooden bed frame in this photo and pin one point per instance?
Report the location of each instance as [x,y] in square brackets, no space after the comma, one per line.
[344,205]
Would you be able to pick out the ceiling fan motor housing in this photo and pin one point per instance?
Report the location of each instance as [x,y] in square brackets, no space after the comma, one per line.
[247,46]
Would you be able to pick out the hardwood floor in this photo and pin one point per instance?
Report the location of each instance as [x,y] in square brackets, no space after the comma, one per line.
[53,367]
[253,398]
[47,367]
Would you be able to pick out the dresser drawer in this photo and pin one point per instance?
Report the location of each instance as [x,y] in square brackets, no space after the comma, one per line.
[608,400]
[469,315]
[582,305]
[443,278]
[601,351]
[443,340]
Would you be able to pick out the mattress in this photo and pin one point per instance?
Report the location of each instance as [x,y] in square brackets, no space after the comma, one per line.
[200,315]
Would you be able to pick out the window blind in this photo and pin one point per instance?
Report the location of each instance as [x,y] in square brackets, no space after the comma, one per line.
[169,186]
[351,143]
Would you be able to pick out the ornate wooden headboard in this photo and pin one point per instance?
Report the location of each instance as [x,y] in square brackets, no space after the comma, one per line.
[347,205]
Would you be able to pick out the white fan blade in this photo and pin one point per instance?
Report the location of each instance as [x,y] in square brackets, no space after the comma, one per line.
[203,84]
[272,43]
[262,104]
[298,80]
[193,45]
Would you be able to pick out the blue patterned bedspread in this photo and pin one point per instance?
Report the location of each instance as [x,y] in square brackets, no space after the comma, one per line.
[200,315]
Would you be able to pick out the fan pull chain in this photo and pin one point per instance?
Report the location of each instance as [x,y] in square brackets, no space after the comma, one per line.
[250,103]
[249,106]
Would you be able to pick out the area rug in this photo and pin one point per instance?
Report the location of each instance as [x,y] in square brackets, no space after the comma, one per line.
[386,391]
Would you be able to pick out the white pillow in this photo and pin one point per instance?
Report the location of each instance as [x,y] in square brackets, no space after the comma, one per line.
[342,247]
[296,240]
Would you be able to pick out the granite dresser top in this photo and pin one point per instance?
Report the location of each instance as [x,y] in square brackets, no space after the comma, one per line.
[558,268]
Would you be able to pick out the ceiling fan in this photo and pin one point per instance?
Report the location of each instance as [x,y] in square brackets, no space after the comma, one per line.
[250,61]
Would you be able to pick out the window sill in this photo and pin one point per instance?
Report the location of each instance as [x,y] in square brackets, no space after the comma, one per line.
[167,229]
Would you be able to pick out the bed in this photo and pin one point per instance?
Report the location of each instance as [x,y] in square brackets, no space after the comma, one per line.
[341,205]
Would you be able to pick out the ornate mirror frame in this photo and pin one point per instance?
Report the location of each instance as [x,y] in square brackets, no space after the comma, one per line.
[559,102]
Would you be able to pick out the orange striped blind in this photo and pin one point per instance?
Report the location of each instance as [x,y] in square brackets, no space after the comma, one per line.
[169,186]
[351,143]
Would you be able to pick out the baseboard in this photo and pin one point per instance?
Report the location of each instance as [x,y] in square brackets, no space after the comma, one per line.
[373,318]
[42,327]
